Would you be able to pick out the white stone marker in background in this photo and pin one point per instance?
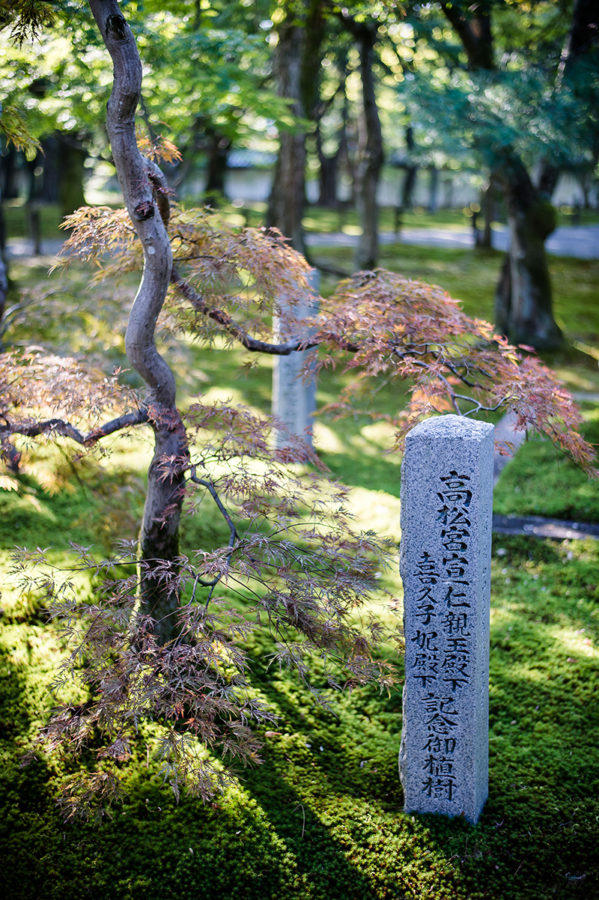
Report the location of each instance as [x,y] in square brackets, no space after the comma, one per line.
[445,564]
[294,396]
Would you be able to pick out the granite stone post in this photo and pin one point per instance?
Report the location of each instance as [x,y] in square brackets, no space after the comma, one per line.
[445,564]
[294,395]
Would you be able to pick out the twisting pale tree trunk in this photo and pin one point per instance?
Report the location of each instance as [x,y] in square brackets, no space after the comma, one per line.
[142,193]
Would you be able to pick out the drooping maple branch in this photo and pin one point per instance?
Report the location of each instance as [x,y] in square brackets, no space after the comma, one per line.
[64,429]
[454,398]
[233,328]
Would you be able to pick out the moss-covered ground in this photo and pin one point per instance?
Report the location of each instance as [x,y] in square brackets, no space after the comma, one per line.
[322,816]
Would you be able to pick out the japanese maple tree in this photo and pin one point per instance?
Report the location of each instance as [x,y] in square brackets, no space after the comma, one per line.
[163,640]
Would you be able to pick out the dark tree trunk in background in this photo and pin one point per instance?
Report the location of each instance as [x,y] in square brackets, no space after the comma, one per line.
[297,64]
[329,166]
[487,208]
[33,198]
[407,191]
[71,175]
[370,157]
[433,196]
[286,202]
[3,267]
[218,151]
[9,176]
[472,24]
[328,178]
[63,170]
[523,302]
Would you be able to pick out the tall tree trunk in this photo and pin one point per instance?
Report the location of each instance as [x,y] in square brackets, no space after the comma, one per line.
[9,178]
[287,197]
[487,203]
[370,153]
[159,541]
[523,306]
[328,177]
[409,183]
[297,63]
[63,169]
[3,267]
[433,196]
[328,172]
[71,173]
[523,302]
[219,148]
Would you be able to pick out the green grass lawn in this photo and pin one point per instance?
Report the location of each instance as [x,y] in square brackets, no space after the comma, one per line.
[322,816]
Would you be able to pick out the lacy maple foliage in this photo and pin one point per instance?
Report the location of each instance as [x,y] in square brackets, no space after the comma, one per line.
[229,281]
[288,557]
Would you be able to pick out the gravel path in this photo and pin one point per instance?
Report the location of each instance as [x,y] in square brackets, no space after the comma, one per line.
[580,241]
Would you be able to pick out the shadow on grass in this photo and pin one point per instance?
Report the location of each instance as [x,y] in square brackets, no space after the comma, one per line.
[538,832]
[29,821]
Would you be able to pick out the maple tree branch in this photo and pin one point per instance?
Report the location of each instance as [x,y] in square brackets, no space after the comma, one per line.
[233,536]
[454,397]
[233,328]
[65,429]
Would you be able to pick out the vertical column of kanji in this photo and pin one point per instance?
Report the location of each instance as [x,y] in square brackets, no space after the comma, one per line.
[446,517]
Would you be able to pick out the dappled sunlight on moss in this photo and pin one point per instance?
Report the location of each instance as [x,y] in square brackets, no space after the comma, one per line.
[322,818]
[577,642]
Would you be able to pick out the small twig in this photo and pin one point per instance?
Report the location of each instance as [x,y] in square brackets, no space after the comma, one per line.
[297,803]
[233,536]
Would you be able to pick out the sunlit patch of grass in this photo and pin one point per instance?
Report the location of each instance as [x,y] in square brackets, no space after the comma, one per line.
[566,491]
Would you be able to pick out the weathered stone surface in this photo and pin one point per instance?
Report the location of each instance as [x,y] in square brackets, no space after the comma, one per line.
[294,395]
[446,514]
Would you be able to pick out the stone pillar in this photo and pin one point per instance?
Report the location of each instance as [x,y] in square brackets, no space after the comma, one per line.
[294,396]
[445,564]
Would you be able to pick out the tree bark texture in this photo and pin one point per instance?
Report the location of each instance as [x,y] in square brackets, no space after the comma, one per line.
[3,266]
[218,151]
[286,202]
[523,303]
[297,64]
[159,540]
[370,153]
